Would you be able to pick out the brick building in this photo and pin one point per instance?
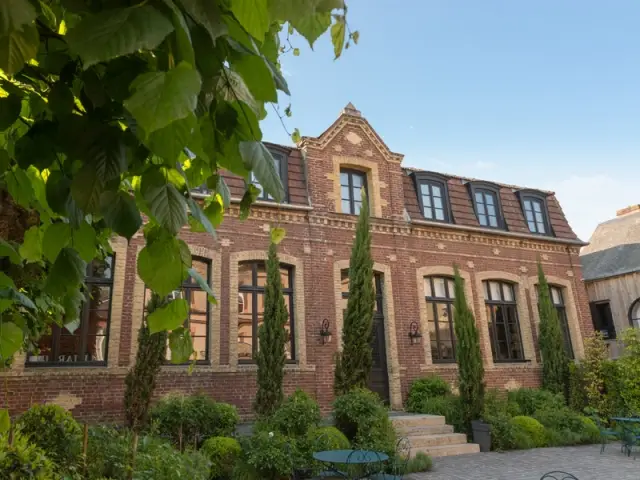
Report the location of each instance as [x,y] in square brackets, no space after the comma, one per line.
[422,224]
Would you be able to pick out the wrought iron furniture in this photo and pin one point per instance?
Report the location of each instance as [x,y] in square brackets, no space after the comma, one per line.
[606,433]
[399,465]
[359,464]
[558,475]
[630,436]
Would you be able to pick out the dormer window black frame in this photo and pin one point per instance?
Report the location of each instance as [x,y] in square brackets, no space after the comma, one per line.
[281,159]
[536,211]
[433,196]
[485,198]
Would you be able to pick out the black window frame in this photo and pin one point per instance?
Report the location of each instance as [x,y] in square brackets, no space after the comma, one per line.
[283,157]
[541,198]
[598,322]
[561,310]
[432,179]
[509,306]
[84,324]
[255,289]
[351,172]
[487,189]
[433,302]
[631,307]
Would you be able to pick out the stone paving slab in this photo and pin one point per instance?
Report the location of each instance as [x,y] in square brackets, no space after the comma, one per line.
[585,462]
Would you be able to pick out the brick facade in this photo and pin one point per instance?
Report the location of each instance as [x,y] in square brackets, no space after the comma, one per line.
[406,247]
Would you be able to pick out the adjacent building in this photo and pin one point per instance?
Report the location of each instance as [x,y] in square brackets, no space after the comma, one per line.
[423,223]
[611,271]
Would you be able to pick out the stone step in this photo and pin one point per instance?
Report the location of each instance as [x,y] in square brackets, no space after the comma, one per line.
[402,421]
[447,450]
[424,430]
[438,440]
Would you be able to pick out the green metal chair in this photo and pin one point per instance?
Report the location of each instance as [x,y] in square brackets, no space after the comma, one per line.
[606,433]
[398,467]
[558,475]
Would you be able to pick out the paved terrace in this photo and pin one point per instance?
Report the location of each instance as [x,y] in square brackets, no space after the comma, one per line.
[585,462]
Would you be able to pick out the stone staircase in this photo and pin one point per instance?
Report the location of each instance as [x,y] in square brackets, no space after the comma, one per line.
[431,435]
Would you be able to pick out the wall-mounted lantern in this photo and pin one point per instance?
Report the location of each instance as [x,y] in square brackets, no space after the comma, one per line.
[414,333]
[325,333]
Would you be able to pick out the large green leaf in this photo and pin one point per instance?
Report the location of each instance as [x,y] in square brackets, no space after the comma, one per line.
[6,250]
[231,87]
[61,99]
[160,265]
[199,215]
[207,14]
[14,14]
[31,248]
[181,345]
[16,297]
[169,142]
[66,273]
[257,76]
[312,26]
[5,281]
[338,30]
[169,317]
[19,187]
[253,15]
[182,37]
[86,188]
[17,47]
[9,111]
[55,238]
[83,240]
[107,152]
[162,97]
[258,159]
[11,337]
[37,146]
[165,202]
[118,32]
[58,192]
[120,213]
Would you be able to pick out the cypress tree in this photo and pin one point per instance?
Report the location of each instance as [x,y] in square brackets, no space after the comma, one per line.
[468,355]
[555,363]
[141,378]
[353,363]
[272,337]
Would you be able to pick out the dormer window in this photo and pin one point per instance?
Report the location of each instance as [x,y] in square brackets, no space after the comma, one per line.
[351,184]
[534,208]
[486,203]
[280,162]
[433,196]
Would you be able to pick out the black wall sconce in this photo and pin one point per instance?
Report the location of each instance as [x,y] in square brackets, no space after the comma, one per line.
[325,333]
[414,333]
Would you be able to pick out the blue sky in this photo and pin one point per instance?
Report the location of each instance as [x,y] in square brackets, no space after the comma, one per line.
[543,94]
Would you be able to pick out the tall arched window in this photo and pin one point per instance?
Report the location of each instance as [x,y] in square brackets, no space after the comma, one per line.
[439,295]
[634,314]
[504,325]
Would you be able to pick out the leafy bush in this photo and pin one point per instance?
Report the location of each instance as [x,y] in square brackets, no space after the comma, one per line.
[427,387]
[22,459]
[109,451]
[561,438]
[421,462]
[327,438]
[54,430]
[568,427]
[362,417]
[530,400]
[448,406]
[577,400]
[628,366]
[223,453]
[530,428]
[496,402]
[590,431]
[266,456]
[502,431]
[297,414]
[189,420]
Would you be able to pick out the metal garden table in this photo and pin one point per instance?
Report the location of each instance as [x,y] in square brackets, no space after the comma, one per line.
[370,461]
[629,437]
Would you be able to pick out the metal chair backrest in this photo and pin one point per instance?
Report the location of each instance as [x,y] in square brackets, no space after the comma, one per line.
[403,453]
[558,475]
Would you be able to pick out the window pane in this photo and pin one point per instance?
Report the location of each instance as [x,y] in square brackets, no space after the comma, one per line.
[284,277]
[101,268]
[451,287]
[529,215]
[45,345]
[437,202]
[344,179]
[287,327]
[491,210]
[200,266]
[244,274]
[539,217]
[346,206]
[276,162]
[541,228]
[344,281]
[507,292]
[494,288]
[437,192]
[424,189]
[200,348]
[262,274]
[485,286]
[427,287]
[537,207]
[556,297]
[428,212]
[483,220]
[245,328]
[426,200]
[357,206]
[493,222]
[344,192]
[439,214]
[96,348]
[438,284]
[357,181]
[357,194]
[481,209]
[69,347]
[198,312]
[489,198]
[479,197]
[527,205]
[532,227]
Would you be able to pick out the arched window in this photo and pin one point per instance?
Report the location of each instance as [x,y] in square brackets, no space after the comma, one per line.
[558,302]
[504,325]
[439,295]
[634,314]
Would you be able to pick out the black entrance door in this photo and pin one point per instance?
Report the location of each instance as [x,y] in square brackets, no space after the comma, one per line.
[379,378]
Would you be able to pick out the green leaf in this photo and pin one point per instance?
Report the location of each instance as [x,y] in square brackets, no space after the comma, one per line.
[55,238]
[258,159]
[160,265]
[120,213]
[224,192]
[181,345]
[231,87]
[296,52]
[16,297]
[71,304]
[60,98]
[6,250]
[86,188]
[72,326]
[169,142]
[169,317]
[58,192]
[355,36]
[200,216]
[312,26]
[117,32]
[337,35]
[215,210]
[37,147]
[277,235]
[204,285]
[257,77]
[5,421]
[295,136]
[31,248]
[182,37]
[9,111]
[163,97]
[5,281]
[281,83]
[165,202]
[14,14]
[253,15]
[5,161]
[19,187]
[83,240]
[5,303]
[249,197]
[207,14]
[17,47]
[10,340]
[39,188]
[66,273]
